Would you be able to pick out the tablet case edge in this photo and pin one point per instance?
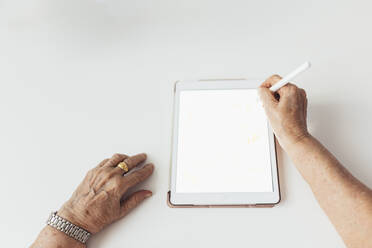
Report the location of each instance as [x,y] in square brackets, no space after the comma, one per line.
[171,205]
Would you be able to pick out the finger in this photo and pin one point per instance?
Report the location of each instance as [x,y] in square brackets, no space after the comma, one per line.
[103,162]
[267,97]
[303,92]
[287,91]
[131,162]
[137,176]
[267,84]
[135,160]
[304,99]
[271,81]
[115,159]
[288,88]
[133,201]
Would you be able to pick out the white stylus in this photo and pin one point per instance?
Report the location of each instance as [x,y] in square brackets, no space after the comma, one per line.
[290,76]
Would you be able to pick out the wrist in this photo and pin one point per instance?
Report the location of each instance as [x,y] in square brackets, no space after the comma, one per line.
[52,238]
[75,218]
[288,143]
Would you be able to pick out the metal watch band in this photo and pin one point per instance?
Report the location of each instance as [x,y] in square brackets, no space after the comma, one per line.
[68,228]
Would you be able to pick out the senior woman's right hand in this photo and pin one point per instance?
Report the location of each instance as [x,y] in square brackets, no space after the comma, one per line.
[286,111]
[98,201]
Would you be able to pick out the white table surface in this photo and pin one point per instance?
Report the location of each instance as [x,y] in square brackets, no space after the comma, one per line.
[80,80]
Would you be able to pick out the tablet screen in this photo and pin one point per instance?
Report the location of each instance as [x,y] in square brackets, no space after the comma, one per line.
[223,142]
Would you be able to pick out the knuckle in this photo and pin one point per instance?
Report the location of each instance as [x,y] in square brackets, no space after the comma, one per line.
[291,89]
[276,77]
[116,156]
[273,79]
[292,86]
[128,160]
[109,163]
[104,161]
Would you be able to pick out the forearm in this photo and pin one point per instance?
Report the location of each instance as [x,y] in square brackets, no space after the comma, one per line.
[346,201]
[52,238]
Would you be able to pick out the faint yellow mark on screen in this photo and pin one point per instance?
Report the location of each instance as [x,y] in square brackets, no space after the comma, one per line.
[253,138]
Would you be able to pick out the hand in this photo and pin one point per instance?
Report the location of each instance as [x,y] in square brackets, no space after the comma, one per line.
[286,110]
[98,200]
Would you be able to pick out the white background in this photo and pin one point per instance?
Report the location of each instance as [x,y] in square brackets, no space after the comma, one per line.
[80,80]
[222,143]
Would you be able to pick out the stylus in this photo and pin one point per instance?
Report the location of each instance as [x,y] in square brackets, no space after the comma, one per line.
[290,76]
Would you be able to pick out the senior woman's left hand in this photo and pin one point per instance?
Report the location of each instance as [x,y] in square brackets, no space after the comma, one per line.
[99,199]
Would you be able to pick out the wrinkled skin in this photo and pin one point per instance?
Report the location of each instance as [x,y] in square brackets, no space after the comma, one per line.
[346,201]
[98,201]
[286,111]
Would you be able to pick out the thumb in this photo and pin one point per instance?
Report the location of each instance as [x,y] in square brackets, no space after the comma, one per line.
[267,97]
[133,201]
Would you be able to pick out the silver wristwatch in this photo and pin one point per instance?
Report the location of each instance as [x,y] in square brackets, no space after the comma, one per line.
[68,228]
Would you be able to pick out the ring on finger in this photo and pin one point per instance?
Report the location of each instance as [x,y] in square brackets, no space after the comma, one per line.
[122,165]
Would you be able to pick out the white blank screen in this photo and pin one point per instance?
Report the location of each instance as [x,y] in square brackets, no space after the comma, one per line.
[223,142]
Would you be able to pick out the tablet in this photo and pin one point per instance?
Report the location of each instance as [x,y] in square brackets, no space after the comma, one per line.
[223,148]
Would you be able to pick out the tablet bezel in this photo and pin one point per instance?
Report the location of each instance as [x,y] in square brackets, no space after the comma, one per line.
[223,198]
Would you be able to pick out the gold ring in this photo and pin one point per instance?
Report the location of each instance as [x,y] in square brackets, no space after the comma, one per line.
[123,166]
